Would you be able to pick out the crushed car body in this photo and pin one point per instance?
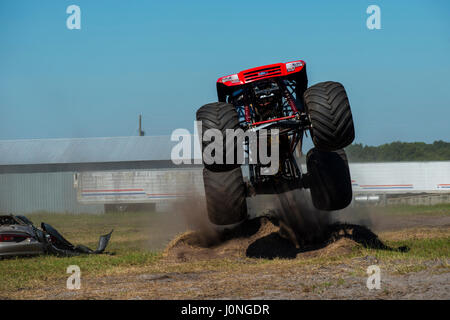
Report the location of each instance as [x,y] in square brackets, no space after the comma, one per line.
[19,237]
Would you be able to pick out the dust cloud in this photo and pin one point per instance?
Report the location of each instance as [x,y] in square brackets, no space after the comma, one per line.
[299,221]
[361,215]
[293,211]
[293,228]
[192,211]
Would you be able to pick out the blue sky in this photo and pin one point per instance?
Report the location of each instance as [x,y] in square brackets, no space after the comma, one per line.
[162,59]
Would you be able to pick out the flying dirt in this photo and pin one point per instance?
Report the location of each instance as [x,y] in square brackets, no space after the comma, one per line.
[294,228]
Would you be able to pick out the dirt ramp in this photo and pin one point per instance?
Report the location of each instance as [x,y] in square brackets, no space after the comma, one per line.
[192,245]
[267,238]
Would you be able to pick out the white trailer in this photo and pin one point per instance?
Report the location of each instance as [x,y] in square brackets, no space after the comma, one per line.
[137,186]
[165,185]
[401,177]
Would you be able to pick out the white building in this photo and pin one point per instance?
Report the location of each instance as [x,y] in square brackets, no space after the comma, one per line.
[88,175]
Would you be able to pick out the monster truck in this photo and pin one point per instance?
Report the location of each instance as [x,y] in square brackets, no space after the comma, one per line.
[272,97]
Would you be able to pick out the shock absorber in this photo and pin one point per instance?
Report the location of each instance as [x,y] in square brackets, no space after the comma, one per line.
[289,99]
[247,113]
[248,118]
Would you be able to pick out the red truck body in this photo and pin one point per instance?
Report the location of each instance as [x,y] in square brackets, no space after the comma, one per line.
[263,72]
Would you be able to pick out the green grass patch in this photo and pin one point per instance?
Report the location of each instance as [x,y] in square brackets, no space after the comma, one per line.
[27,272]
[408,210]
[419,250]
[137,241]
[143,231]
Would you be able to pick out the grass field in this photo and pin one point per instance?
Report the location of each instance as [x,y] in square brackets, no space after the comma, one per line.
[139,238]
[406,210]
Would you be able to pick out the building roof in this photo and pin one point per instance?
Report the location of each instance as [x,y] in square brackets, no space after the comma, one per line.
[86,150]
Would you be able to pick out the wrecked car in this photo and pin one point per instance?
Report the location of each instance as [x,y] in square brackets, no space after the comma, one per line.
[19,237]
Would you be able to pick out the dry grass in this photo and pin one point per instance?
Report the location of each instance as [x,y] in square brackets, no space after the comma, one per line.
[141,268]
[419,233]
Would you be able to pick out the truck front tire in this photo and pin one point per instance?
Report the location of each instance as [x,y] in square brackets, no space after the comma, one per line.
[331,119]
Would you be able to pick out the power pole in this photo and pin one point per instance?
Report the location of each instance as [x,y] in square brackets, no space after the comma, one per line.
[141,133]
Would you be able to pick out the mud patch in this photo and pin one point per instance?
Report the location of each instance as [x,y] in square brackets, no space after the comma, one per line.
[269,239]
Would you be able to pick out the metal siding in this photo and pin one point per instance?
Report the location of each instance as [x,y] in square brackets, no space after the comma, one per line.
[33,192]
[138,186]
[401,177]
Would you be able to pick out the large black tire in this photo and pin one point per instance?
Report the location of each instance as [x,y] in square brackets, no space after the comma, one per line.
[331,118]
[221,116]
[329,179]
[225,196]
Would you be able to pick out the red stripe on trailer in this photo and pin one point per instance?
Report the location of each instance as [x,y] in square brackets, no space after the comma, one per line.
[165,194]
[113,190]
[387,185]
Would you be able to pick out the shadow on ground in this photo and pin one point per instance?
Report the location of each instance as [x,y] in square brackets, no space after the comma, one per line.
[270,238]
[275,245]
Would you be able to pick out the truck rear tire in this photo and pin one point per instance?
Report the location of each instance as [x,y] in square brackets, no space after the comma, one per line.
[220,116]
[329,179]
[225,196]
[331,118]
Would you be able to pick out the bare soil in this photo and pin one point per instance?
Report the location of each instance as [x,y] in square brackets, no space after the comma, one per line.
[269,239]
[271,282]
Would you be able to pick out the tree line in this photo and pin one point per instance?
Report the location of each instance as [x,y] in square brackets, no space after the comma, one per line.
[399,151]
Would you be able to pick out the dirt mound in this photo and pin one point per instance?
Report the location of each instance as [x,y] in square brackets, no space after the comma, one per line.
[339,247]
[193,245]
[269,239]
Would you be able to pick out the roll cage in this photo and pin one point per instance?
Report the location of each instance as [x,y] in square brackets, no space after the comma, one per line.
[290,117]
